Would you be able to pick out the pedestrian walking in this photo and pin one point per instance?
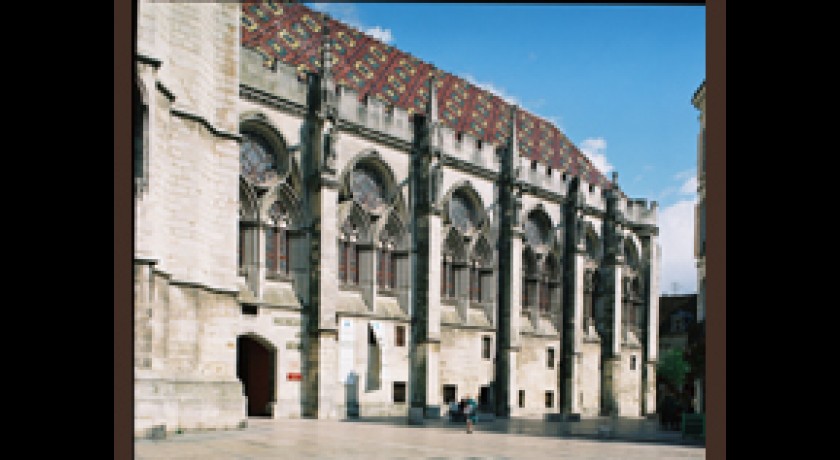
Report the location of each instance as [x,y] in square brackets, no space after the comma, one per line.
[470,412]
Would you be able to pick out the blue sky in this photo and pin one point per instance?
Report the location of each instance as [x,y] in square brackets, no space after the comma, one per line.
[617,79]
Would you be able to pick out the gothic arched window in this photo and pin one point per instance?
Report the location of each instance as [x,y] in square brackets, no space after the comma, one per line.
[367,189]
[548,285]
[590,289]
[277,249]
[386,273]
[537,229]
[461,212]
[257,161]
[348,255]
[529,280]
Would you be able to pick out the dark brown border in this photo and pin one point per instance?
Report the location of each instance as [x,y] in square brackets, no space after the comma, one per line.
[123,235]
[716,229]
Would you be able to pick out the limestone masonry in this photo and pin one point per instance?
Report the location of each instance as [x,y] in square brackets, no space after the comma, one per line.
[326,227]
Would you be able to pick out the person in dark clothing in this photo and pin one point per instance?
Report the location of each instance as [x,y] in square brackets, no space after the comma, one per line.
[668,411]
[470,412]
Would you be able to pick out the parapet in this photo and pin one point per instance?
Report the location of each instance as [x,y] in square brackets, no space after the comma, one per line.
[639,211]
[540,175]
[374,114]
[468,149]
[281,82]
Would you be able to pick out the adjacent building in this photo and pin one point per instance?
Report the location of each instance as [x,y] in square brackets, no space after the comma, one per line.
[699,102]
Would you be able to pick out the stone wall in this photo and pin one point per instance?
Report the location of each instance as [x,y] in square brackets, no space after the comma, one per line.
[536,378]
[461,361]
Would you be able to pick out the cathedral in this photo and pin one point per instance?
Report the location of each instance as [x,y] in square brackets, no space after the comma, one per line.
[328,227]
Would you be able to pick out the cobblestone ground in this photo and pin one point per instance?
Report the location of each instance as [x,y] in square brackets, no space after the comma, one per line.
[323,439]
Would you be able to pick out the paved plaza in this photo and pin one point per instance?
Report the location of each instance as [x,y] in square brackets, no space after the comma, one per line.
[440,439]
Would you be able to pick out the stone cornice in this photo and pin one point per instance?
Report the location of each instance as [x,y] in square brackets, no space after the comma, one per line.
[197,285]
[256,95]
[180,112]
[156,63]
[166,92]
[468,326]
[372,315]
[540,192]
[248,300]
[466,166]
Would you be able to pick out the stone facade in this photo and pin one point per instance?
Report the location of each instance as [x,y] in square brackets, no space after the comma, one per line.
[378,264]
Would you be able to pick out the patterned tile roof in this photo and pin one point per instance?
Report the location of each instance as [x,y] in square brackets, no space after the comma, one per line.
[292,34]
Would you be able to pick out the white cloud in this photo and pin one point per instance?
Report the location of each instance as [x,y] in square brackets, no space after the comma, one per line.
[689,187]
[595,149]
[676,238]
[383,35]
[682,175]
[490,87]
[348,14]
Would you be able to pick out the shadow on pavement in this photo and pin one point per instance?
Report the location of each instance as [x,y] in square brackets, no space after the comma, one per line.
[605,429]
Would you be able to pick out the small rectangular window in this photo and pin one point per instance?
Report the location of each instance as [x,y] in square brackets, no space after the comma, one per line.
[632,362]
[485,347]
[443,279]
[371,337]
[400,336]
[549,399]
[249,309]
[399,392]
[450,393]
[534,165]
[550,358]
[521,398]
[478,144]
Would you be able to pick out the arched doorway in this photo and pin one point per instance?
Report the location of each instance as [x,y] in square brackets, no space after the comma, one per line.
[256,362]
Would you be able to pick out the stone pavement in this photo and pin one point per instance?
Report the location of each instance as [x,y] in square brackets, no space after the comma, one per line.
[438,439]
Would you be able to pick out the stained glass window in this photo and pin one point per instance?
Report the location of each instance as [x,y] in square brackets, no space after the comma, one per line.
[544,297]
[342,261]
[536,231]
[385,274]
[270,250]
[366,188]
[443,278]
[353,264]
[277,250]
[475,284]
[256,162]
[461,213]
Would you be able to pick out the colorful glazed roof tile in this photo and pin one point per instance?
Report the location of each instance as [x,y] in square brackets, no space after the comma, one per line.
[292,34]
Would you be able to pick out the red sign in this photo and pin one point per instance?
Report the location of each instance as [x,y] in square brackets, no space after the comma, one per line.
[293,376]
